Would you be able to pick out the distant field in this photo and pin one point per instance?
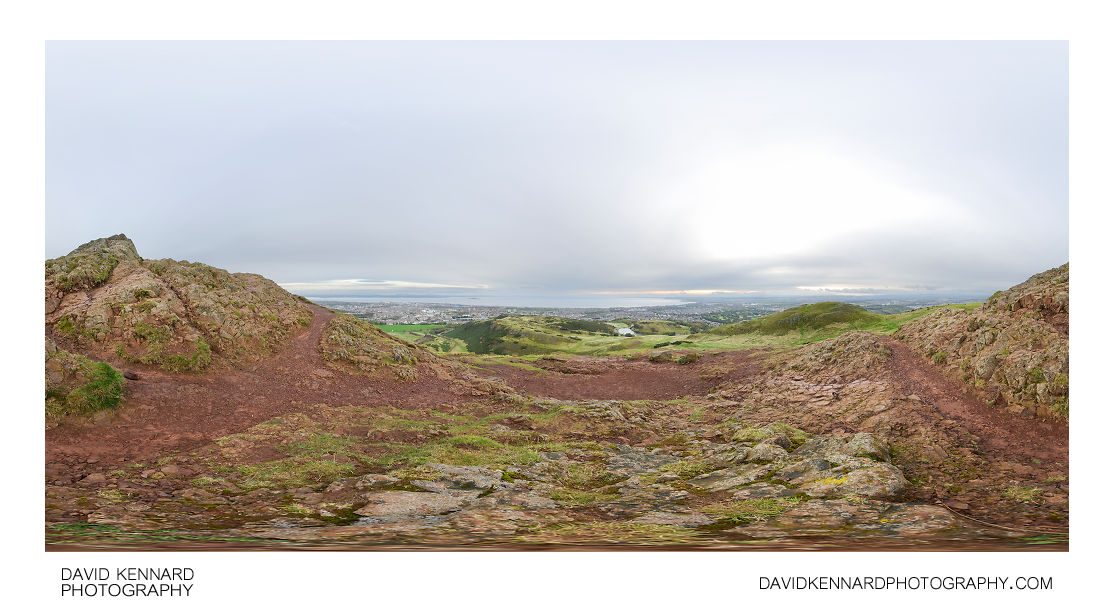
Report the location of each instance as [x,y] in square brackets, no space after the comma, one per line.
[423,334]
[392,328]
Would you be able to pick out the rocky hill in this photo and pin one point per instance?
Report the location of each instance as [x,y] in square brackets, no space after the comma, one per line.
[103,299]
[1013,350]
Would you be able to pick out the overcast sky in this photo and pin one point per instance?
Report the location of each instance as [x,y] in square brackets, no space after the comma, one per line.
[555,167]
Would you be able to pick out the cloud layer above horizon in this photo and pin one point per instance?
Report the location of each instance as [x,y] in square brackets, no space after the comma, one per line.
[553,167]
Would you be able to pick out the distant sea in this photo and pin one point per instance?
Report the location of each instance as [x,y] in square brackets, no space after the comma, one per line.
[522,302]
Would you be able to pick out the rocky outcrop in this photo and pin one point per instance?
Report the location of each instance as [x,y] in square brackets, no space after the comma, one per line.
[622,486]
[1013,350]
[355,345]
[1043,296]
[104,299]
[849,354]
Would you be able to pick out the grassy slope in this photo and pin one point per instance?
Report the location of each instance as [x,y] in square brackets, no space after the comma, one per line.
[805,319]
[418,333]
[807,324]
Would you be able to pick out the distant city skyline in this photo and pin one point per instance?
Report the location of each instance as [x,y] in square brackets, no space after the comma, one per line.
[601,169]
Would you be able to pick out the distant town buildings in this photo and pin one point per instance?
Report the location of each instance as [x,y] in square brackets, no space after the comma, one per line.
[708,313]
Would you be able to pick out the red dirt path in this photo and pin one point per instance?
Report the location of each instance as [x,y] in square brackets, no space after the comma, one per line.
[1015,438]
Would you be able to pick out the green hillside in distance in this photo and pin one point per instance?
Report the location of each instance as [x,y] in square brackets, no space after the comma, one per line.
[805,318]
[809,323]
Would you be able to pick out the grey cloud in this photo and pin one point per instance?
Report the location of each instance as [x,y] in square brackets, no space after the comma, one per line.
[536,167]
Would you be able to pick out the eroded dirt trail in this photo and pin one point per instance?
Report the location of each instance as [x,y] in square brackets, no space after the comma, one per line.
[167,412]
[1017,438]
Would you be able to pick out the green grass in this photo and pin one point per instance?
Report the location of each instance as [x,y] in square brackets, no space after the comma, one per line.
[103,390]
[1024,494]
[578,498]
[199,359]
[587,476]
[320,444]
[747,511]
[687,469]
[482,336]
[102,387]
[399,328]
[292,472]
[463,450]
[470,451]
[66,326]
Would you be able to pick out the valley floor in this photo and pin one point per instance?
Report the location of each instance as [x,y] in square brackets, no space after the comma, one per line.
[770,449]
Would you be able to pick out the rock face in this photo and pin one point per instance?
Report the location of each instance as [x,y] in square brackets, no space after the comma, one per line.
[1013,350]
[104,299]
[822,467]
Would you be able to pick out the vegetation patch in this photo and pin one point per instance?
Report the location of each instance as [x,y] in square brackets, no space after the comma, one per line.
[805,318]
[199,359]
[78,385]
[749,511]
[587,476]
[83,268]
[292,472]
[687,469]
[580,498]
[1024,494]
[756,434]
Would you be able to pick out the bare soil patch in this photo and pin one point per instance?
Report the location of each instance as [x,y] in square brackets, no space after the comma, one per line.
[589,378]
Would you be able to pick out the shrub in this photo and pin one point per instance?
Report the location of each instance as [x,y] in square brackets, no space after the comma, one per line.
[66,326]
[103,389]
